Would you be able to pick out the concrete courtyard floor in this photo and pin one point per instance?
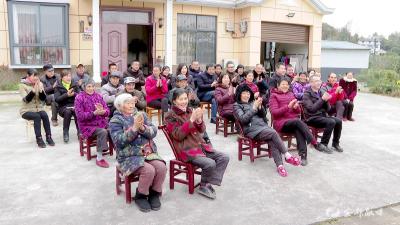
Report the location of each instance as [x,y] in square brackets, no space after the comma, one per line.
[56,186]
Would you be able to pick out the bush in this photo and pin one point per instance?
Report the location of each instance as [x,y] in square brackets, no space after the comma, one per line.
[381,81]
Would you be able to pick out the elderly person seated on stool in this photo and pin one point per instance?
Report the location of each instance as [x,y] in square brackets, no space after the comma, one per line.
[285,110]
[110,90]
[336,92]
[186,127]
[225,96]
[33,96]
[132,134]
[92,114]
[253,117]
[64,95]
[138,96]
[316,106]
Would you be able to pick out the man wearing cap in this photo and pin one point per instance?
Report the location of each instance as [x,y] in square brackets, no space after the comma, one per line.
[112,67]
[181,82]
[49,80]
[110,90]
[80,77]
[138,96]
[135,72]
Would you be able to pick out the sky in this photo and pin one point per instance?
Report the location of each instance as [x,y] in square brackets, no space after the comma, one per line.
[365,17]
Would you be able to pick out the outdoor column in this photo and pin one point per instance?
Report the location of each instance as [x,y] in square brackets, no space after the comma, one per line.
[96,41]
[168,32]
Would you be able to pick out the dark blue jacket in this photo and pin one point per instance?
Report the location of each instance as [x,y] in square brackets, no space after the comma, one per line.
[204,82]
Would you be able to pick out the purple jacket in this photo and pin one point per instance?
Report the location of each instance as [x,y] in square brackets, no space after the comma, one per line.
[298,89]
[84,108]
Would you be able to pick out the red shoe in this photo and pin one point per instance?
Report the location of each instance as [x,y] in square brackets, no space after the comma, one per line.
[102,163]
[282,171]
[293,160]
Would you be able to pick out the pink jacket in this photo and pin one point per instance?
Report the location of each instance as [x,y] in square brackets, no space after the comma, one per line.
[152,91]
[280,112]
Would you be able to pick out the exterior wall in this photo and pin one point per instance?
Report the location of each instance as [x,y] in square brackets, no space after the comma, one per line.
[4,37]
[158,13]
[343,58]
[325,71]
[305,14]
[80,50]
[246,50]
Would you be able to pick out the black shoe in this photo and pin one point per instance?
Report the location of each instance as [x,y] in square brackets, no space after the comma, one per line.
[142,202]
[207,140]
[66,137]
[49,140]
[212,121]
[323,148]
[40,142]
[337,148]
[304,161]
[154,200]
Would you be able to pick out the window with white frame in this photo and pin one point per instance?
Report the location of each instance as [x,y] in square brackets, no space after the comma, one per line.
[196,38]
[38,33]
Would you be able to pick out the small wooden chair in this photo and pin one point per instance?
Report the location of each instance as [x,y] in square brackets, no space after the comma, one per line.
[126,180]
[316,132]
[206,105]
[284,136]
[177,167]
[154,112]
[221,124]
[86,144]
[247,145]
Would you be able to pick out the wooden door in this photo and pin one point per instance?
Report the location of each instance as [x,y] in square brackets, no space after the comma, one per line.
[114,46]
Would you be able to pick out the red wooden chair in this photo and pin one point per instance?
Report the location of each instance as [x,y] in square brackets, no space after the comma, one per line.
[285,136]
[247,145]
[86,144]
[222,124]
[126,180]
[177,167]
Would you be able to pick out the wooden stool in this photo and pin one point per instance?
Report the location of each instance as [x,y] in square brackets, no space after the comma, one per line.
[206,105]
[221,124]
[29,127]
[152,112]
[126,180]
[86,144]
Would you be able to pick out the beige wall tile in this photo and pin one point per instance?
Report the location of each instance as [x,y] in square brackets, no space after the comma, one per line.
[177,9]
[3,39]
[4,56]
[73,7]
[316,48]
[160,42]
[73,23]
[315,62]
[225,45]
[191,9]
[111,2]
[267,14]
[209,11]
[3,21]
[221,31]
[254,29]
[74,57]
[317,20]
[74,40]
[225,14]
[255,13]
[134,4]
[306,7]
[280,16]
[2,5]
[85,44]
[85,7]
[308,18]
[316,33]
[86,57]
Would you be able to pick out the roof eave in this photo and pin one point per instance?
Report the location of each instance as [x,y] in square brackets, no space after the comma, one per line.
[322,7]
